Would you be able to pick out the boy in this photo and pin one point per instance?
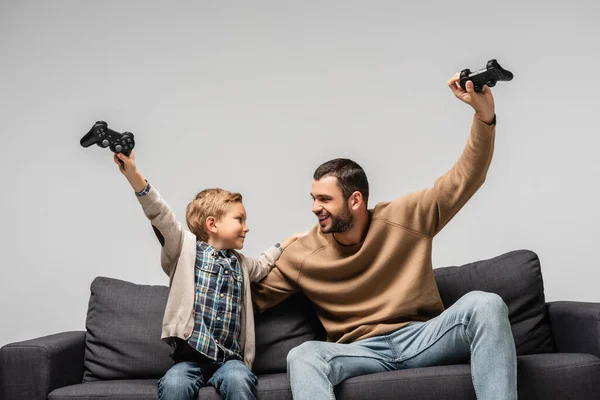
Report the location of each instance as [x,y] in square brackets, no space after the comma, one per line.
[208,317]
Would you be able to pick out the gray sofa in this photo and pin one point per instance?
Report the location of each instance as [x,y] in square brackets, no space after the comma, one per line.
[119,355]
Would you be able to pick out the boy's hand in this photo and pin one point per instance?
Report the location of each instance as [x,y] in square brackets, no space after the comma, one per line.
[126,164]
[128,168]
[482,102]
[292,239]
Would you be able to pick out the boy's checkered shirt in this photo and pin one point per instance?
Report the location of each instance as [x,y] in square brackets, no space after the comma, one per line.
[219,283]
[217,306]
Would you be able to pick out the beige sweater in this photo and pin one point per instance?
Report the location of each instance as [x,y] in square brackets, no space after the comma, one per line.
[387,280]
[178,257]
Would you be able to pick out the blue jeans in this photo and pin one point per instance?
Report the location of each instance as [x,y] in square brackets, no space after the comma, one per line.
[233,380]
[475,328]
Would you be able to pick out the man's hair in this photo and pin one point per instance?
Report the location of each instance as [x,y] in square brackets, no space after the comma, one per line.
[208,203]
[350,176]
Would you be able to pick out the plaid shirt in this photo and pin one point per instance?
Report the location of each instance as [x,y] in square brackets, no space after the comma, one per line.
[219,285]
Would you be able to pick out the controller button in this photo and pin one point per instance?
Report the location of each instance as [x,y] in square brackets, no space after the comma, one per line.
[118,148]
[104,143]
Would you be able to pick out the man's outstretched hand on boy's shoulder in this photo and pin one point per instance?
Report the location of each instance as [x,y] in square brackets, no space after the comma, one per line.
[128,168]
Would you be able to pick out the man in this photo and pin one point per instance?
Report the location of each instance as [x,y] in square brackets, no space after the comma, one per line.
[370,276]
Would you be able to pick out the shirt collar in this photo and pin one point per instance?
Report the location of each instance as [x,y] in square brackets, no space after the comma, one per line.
[212,251]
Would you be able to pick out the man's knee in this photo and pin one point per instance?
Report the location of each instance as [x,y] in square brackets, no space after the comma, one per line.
[305,352]
[488,304]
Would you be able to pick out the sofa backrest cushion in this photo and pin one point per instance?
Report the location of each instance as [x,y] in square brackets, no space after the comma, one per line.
[281,328]
[124,322]
[517,278]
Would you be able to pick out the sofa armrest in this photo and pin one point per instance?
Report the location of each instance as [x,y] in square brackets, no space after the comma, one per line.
[33,368]
[575,326]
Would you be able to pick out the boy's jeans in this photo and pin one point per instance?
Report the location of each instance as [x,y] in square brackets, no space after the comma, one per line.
[233,380]
[474,327]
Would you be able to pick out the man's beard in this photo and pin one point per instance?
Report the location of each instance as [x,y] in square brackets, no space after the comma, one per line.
[340,223]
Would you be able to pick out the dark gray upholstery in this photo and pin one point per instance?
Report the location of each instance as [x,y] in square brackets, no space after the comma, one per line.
[33,368]
[558,343]
[517,278]
[280,329]
[558,376]
[568,320]
[123,326]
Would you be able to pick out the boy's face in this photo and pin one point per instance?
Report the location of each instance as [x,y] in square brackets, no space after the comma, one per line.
[232,228]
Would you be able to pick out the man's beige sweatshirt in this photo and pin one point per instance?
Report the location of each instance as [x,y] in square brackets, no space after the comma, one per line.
[387,280]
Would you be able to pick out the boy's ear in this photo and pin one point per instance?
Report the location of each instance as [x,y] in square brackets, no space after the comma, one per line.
[211,224]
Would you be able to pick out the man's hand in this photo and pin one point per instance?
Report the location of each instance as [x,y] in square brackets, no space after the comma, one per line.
[482,102]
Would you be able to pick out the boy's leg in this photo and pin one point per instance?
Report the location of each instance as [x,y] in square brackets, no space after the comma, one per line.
[314,367]
[476,327]
[234,380]
[182,381]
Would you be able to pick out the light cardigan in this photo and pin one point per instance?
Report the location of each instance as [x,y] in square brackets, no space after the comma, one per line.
[178,258]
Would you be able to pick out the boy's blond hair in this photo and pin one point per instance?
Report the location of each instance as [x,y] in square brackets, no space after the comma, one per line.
[208,203]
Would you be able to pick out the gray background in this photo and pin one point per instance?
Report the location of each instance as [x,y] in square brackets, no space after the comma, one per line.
[252,97]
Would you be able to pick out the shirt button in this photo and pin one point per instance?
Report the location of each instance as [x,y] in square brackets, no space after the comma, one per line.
[239,277]
[218,318]
[222,295]
[226,272]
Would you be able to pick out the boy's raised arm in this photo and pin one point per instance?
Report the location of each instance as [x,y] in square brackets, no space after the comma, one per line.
[166,227]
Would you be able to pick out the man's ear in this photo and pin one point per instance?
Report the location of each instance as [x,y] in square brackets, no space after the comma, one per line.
[356,200]
[211,224]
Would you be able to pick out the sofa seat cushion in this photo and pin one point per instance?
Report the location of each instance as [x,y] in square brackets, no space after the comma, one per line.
[274,387]
[559,376]
[123,324]
[449,382]
[118,390]
[270,387]
[517,278]
[540,376]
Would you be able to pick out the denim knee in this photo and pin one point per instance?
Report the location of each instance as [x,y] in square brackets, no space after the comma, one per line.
[238,372]
[488,305]
[305,352]
[177,384]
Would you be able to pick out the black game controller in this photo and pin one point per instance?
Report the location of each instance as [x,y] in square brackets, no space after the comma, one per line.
[489,75]
[101,135]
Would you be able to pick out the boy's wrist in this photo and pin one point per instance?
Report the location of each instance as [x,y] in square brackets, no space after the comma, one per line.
[137,181]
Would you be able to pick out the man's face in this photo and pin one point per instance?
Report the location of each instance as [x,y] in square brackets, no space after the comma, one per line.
[330,207]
